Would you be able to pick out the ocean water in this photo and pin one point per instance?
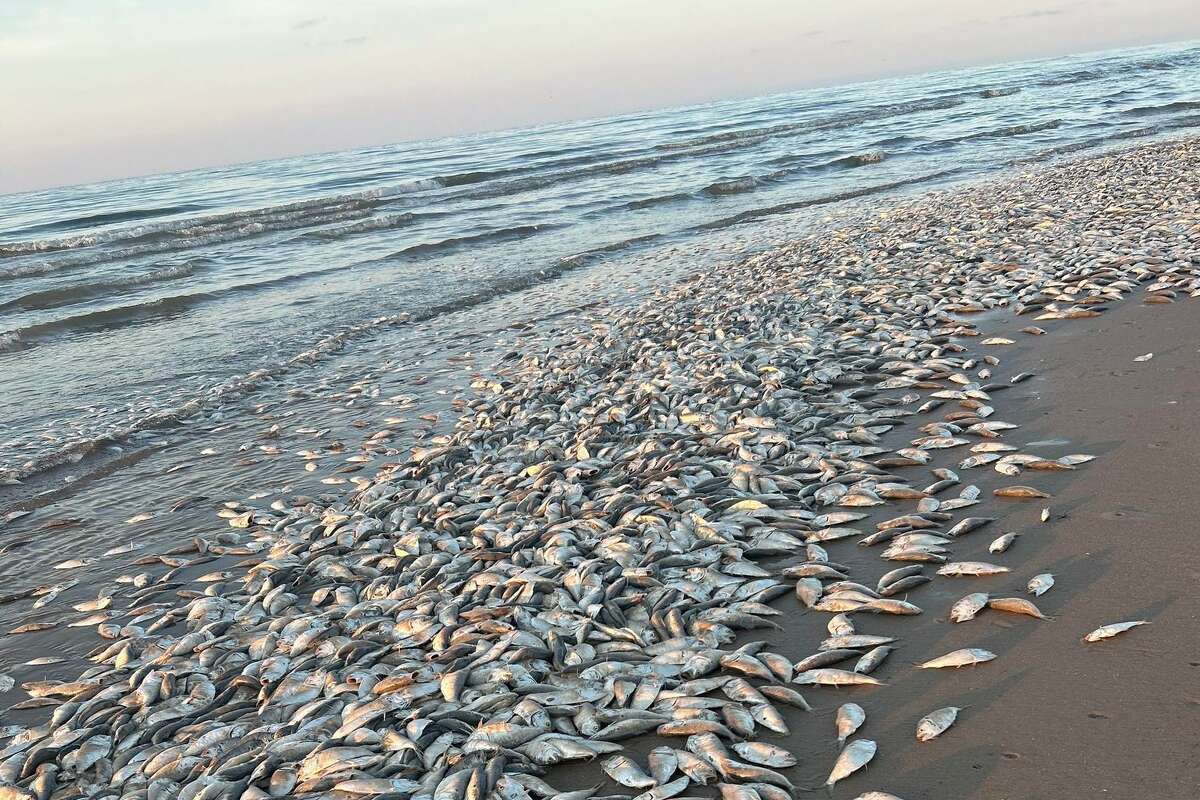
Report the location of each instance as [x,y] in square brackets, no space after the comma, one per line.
[135,312]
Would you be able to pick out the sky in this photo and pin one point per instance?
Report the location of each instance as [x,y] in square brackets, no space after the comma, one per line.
[99,89]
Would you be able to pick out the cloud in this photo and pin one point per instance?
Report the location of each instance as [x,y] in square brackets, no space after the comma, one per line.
[307,23]
[354,41]
[1038,13]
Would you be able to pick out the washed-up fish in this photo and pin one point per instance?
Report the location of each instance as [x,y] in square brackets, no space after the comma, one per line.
[1002,543]
[1027,492]
[1016,605]
[834,677]
[971,568]
[1040,584]
[853,757]
[624,771]
[764,754]
[959,658]
[969,606]
[1109,631]
[869,662]
[849,718]
[935,723]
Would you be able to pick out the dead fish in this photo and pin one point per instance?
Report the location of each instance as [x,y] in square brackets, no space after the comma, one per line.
[959,658]
[1026,492]
[32,627]
[1109,631]
[849,718]
[1002,543]
[1016,605]
[75,563]
[808,591]
[968,607]
[971,568]
[834,677]
[45,661]
[767,755]
[853,641]
[786,695]
[967,525]
[869,662]
[854,757]
[624,771]
[935,723]
[663,763]
[666,790]
[1040,584]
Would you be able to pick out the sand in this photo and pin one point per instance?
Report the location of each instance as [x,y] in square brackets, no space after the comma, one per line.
[1054,717]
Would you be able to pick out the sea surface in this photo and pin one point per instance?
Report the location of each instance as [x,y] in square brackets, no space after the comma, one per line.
[156,313]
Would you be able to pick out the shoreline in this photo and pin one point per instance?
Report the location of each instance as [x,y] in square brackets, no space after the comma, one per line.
[820,331]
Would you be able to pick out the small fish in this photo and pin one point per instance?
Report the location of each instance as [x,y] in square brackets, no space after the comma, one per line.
[834,677]
[763,754]
[75,563]
[849,718]
[959,658]
[136,518]
[853,641]
[869,662]
[971,568]
[968,607]
[666,790]
[45,661]
[1040,584]
[1109,631]
[935,723]
[1016,605]
[1002,543]
[626,772]
[854,757]
[99,604]
[1024,492]
[1144,357]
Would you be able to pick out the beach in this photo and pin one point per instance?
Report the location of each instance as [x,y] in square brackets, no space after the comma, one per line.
[613,501]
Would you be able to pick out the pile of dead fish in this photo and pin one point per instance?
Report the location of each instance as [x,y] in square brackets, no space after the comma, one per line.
[570,567]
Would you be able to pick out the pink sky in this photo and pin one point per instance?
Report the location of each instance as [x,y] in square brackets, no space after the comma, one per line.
[114,88]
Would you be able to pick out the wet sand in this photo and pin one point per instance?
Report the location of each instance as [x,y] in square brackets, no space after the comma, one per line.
[1055,717]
